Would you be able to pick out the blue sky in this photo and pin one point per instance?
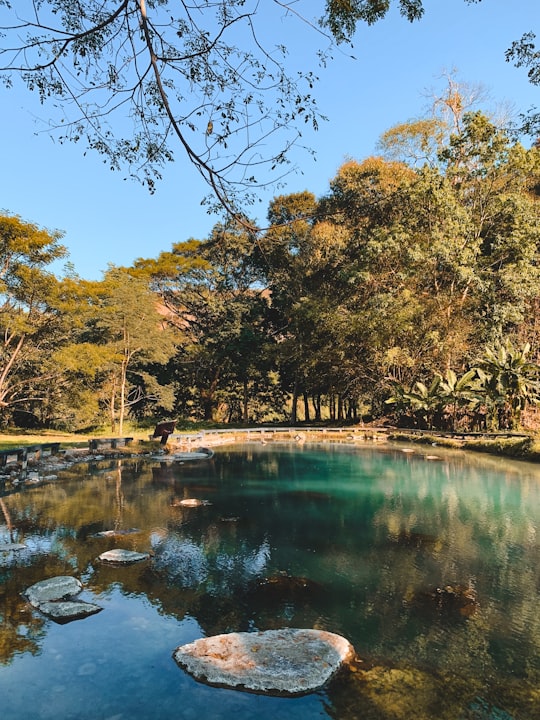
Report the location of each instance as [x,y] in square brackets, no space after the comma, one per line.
[106,219]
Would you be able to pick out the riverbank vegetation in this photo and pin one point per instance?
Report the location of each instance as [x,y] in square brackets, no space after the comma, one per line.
[407,294]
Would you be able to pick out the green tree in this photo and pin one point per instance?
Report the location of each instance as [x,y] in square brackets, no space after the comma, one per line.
[119,341]
[212,291]
[32,314]
[302,255]
[136,336]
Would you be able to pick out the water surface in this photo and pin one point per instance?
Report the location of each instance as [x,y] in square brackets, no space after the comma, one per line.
[430,567]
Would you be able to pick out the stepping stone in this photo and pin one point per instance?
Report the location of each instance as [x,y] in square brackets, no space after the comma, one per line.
[119,556]
[64,611]
[190,502]
[54,598]
[275,662]
[61,587]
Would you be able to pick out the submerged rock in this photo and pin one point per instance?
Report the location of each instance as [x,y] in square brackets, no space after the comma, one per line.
[415,540]
[448,600]
[401,693]
[9,547]
[284,588]
[116,533]
[61,587]
[119,556]
[275,662]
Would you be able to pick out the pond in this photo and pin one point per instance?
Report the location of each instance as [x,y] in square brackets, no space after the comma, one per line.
[429,567]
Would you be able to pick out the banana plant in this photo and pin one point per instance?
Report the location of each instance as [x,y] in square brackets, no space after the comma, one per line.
[458,391]
[509,382]
[423,401]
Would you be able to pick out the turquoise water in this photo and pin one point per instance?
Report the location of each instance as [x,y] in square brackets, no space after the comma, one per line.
[429,567]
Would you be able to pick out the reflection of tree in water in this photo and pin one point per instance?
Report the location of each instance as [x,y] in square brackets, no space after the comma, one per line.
[216,577]
[119,497]
[21,628]
[232,586]
[7,518]
[46,519]
[455,602]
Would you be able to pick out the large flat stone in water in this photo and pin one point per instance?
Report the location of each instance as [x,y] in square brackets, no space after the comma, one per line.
[56,588]
[118,556]
[64,611]
[275,662]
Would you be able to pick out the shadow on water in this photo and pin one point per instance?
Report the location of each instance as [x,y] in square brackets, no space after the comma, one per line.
[429,569]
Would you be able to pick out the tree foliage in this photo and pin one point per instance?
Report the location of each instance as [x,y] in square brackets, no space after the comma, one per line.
[33,318]
[524,53]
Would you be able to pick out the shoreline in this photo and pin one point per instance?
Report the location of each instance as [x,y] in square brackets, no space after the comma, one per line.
[40,468]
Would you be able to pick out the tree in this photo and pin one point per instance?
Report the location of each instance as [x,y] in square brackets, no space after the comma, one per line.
[195,76]
[213,296]
[32,310]
[136,335]
[117,348]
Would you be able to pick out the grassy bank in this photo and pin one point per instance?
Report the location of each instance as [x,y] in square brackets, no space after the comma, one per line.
[519,447]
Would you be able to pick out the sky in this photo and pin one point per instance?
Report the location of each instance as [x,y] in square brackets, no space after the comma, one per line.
[396,67]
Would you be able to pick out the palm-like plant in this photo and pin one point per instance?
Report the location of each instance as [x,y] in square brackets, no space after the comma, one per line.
[457,391]
[509,382]
[423,401]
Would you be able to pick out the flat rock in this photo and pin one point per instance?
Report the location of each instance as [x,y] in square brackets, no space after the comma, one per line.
[61,587]
[190,503]
[275,662]
[119,556]
[64,611]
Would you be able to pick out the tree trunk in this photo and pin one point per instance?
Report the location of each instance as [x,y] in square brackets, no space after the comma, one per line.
[317,407]
[122,409]
[306,407]
[208,408]
[294,407]
[112,407]
[245,408]
[340,409]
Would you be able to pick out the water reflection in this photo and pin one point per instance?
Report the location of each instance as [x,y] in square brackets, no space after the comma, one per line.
[429,568]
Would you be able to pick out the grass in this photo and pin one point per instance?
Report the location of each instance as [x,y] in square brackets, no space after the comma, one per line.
[20,438]
[522,448]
